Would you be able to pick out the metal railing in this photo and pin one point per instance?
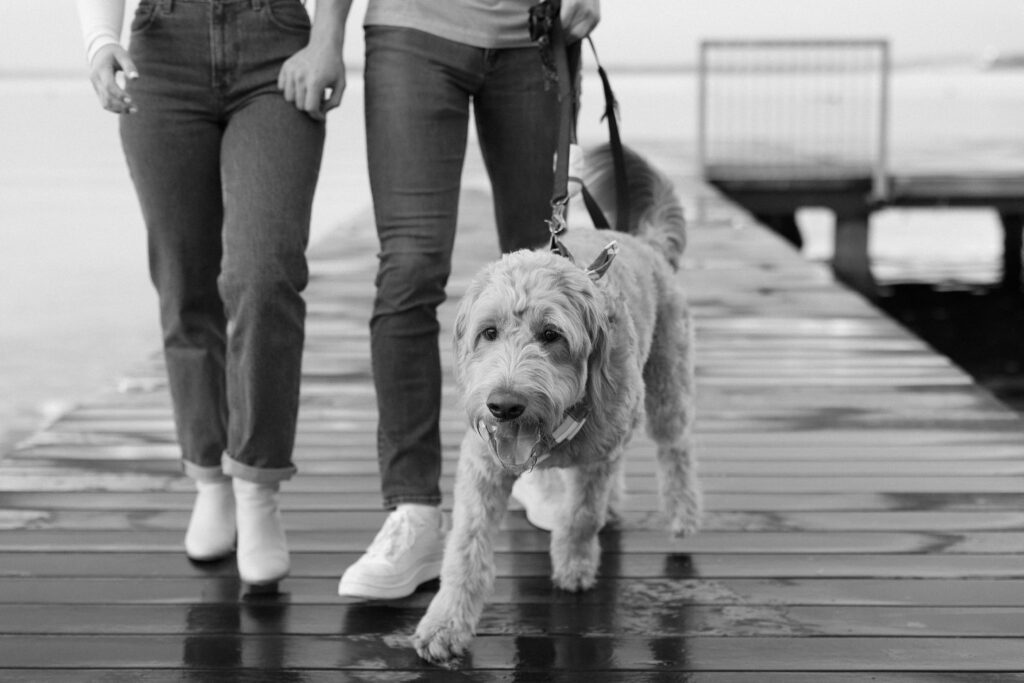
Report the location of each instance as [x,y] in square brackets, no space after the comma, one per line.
[794,111]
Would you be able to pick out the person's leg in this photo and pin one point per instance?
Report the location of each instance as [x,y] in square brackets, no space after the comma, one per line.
[417,114]
[270,160]
[517,116]
[172,145]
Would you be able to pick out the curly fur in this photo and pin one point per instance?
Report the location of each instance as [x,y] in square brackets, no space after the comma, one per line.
[534,326]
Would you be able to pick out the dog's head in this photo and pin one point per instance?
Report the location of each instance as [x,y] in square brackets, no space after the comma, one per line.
[530,337]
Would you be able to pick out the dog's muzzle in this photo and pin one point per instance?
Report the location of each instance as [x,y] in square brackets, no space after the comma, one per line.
[517,445]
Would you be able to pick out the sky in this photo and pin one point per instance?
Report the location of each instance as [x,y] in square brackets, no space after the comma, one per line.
[42,36]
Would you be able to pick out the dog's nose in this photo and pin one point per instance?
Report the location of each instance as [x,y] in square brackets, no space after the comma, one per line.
[505,405]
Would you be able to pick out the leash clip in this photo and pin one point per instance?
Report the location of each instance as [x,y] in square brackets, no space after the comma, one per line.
[557,224]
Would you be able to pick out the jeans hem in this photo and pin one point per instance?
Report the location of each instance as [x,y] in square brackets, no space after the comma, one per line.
[394,501]
[256,475]
[200,473]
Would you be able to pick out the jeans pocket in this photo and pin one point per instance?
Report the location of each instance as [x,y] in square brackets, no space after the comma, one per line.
[145,14]
[288,15]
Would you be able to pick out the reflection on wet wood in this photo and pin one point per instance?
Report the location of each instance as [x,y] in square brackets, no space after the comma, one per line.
[865,512]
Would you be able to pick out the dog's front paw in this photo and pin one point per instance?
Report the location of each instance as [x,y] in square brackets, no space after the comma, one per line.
[576,577]
[440,639]
[685,515]
[575,574]
[684,526]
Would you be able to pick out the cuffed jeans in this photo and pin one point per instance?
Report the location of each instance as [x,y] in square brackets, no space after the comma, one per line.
[418,93]
[225,171]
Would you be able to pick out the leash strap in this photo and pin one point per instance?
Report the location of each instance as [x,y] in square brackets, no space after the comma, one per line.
[566,129]
[546,29]
[611,114]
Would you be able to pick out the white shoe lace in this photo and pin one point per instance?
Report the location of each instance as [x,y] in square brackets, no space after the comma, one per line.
[394,538]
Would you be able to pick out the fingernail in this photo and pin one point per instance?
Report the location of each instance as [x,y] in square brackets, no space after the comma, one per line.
[133,75]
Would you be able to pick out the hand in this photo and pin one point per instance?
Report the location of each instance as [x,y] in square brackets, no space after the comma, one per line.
[579,17]
[314,79]
[108,60]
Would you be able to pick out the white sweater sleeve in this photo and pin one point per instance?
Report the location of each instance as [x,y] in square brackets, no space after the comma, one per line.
[101,22]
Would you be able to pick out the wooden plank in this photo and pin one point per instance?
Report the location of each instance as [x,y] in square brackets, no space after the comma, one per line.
[632,519]
[633,540]
[712,456]
[524,654]
[74,479]
[236,675]
[181,499]
[266,617]
[740,464]
[626,592]
[140,563]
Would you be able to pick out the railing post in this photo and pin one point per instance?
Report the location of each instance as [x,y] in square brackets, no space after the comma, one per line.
[880,185]
[702,130]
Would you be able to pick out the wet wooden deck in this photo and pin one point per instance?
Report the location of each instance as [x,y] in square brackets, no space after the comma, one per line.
[866,512]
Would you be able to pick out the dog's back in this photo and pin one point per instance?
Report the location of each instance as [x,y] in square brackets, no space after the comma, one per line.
[655,213]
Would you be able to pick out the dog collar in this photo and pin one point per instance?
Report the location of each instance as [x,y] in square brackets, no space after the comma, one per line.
[575,418]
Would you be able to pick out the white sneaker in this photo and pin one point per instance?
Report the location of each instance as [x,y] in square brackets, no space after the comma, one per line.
[406,552]
[211,528]
[541,493]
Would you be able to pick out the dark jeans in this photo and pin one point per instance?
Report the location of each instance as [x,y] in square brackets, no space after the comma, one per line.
[225,171]
[418,93]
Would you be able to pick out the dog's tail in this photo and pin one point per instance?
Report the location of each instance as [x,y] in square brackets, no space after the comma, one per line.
[655,212]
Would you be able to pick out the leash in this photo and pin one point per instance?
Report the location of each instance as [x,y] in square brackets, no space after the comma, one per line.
[547,31]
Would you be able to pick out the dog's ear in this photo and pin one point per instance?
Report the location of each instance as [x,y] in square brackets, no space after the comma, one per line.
[460,343]
[600,386]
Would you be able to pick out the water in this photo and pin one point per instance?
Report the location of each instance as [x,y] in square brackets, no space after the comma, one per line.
[77,309]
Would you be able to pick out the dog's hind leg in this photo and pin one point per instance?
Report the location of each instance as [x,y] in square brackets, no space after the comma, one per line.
[467,571]
[575,550]
[669,402]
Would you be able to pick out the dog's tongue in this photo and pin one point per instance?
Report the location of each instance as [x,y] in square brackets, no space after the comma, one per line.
[511,442]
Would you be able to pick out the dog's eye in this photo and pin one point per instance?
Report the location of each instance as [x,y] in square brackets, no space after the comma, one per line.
[489,333]
[549,336]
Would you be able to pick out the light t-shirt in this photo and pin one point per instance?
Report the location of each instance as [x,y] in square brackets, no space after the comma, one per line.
[480,23]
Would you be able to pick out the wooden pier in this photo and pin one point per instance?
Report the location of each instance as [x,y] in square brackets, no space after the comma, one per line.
[865,510]
[775,202]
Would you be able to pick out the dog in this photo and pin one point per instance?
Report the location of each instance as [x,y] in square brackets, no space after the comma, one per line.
[558,364]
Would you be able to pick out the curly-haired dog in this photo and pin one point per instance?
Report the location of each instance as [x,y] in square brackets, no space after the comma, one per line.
[557,364]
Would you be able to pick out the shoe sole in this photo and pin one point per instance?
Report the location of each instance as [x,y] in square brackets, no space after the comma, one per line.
[427,572]
[210,559]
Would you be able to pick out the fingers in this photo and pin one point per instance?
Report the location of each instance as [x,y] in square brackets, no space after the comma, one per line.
[106,64]
[312,90]
[334,101]
[579,18]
